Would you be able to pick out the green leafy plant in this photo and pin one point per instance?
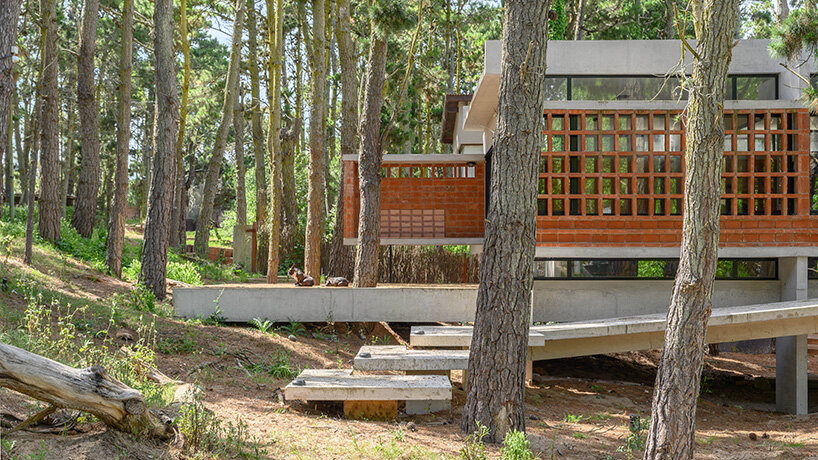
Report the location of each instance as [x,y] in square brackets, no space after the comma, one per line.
[265,326]
[475,449]
[516,447]
[293,328]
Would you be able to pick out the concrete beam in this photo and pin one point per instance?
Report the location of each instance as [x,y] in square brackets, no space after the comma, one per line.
[341,385]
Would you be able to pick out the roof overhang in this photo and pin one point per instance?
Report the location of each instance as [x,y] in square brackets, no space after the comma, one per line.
[451,106]
[435,158]
[484,102]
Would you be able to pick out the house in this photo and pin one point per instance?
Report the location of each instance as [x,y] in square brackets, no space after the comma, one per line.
[611,176]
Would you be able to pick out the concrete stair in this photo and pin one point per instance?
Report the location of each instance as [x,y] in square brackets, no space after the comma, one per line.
[400,358]
[372,396]
[812,345]
[456,336]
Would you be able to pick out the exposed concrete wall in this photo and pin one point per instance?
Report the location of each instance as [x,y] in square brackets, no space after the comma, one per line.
[242,303]
[579,300]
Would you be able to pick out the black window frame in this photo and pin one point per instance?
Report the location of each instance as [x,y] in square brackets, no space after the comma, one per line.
[569,261]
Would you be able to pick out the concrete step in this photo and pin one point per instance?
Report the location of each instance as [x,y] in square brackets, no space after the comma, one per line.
[400,358]
[456,336]
[372,396]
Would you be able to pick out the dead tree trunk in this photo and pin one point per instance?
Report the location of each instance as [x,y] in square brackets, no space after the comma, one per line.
[369,167]
[499,345]
[157,225]
[116,218]
[49,200]
[85,208]
[673,419]
[90,390]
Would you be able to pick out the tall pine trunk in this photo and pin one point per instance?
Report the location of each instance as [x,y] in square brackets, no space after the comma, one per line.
[116,218]
[497,359]
[68,157]
[238,134]
[157,225]
[49,201]
[369,166]
[202,240]
[342,260]
[177,215]
[32,180]
[9,15]
[275,41]
[315,186]
[85,207]
[258,139]
[673,419]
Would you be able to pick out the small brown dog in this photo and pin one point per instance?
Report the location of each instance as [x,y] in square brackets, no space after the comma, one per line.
[300,278]
[337,281]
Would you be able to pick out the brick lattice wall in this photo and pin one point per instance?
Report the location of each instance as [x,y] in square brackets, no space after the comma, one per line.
[422,200]
[611,178]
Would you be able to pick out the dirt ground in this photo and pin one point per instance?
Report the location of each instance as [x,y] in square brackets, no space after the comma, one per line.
[577,408]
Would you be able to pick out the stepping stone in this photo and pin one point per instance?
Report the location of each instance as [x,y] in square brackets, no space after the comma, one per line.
[456,336]
[372,396]
[400,358]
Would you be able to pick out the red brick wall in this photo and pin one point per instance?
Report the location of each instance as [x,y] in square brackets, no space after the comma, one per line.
[419,199]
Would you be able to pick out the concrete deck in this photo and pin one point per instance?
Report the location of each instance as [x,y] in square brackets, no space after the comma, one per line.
[400,358]
[456,336]
[341,385]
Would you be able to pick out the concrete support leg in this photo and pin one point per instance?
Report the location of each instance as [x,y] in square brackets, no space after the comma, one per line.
[529,370]
[426,407]
[791,352]
[791,374]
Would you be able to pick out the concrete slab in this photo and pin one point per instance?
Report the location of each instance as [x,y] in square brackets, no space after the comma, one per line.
[426,407]
[456,336]
[400,358]
[341,385]
[279,303]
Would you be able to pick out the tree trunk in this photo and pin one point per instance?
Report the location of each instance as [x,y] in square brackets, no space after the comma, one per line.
[275,40]
[90,390]
[202,240]
[68,155]
[579,32]
[342,261]
[116,218]
[500,341]
[32,180]
[10,155]
[369,167]
[258,140]
[147,153]
[49,200]
[782,10]
[85,208]
[157,225]
[9,15]
[673,423]
[177,215]
[238,133]
[315,188]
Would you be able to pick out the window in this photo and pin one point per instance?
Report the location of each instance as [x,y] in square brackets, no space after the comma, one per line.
[727,269]
[647,87]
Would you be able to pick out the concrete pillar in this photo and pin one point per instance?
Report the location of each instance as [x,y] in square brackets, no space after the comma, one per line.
[791,352]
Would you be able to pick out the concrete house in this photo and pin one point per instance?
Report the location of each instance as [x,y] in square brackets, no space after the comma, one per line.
[611,176]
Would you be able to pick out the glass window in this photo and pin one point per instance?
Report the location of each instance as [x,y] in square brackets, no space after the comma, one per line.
[734,269]
[755,87]
[622,88]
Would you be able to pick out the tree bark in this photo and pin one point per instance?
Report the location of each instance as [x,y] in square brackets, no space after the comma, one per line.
[157,225]
[369,167]
[497,359]
[315,186]
[116,218]
[178,235]
[202,240]
[85,208]
[49,200]
[258,140]
[275,40]
[238,133]
[32,180]
[90,390]
[342,260]
[9,15]
[673,422]
[782,10]
[68,155]
[579,32]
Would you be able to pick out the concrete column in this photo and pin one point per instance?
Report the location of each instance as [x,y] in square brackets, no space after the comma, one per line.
[791,352]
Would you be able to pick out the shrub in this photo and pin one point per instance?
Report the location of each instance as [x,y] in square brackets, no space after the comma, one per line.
[516,447]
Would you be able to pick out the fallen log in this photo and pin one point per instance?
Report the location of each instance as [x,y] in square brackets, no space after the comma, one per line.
[90,390]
